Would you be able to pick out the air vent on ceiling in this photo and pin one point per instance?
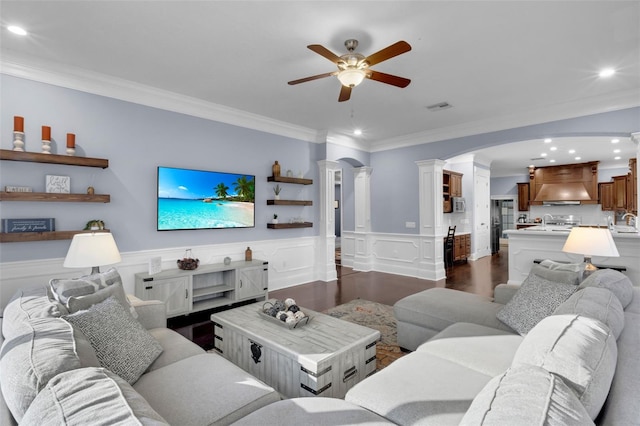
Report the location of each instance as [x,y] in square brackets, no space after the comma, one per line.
[537,159]
[439,106]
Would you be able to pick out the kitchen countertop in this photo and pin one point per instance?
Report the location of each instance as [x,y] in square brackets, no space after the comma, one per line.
[622,231]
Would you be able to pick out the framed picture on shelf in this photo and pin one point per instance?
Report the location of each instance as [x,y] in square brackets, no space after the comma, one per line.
[58,184]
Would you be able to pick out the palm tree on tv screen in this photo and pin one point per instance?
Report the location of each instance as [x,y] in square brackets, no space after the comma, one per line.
[221,190]
[245,188]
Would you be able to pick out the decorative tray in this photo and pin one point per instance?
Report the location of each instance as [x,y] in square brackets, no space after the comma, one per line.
[297,320]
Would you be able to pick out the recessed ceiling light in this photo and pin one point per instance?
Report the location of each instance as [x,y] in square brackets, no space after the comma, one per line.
[17,30]
[547,140]
[578,158]
[607,72]
[357,132]
[544,154]
[616,158]
[615,151]
[615,140]
[552,161]
[553,148]
[531,166]
[572,151]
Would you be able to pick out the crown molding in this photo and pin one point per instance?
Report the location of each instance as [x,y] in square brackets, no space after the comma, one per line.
[595,105]
[112,87]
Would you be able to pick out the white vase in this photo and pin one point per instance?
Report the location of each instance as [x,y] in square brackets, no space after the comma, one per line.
[277,196]
[274,221]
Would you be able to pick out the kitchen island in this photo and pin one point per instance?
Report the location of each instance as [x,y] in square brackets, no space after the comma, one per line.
[538,242]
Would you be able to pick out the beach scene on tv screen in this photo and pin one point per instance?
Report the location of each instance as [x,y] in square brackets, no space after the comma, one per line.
[197,199]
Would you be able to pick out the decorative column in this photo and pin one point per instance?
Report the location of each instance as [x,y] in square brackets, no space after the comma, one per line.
[326,252]
[432,229]
[362,196]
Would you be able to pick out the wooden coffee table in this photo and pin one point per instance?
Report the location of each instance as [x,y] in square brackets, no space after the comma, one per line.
[325,357]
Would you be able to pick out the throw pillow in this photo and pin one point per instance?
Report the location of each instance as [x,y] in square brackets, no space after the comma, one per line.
[65,289]
[569,273]
[536,299]
[615,281]
[580,350]
[121,343]
[526,395]
[81,303]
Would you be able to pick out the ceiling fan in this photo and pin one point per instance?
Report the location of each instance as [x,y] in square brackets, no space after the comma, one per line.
[353,67]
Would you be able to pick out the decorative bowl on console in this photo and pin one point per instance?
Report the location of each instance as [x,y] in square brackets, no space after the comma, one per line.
[188,263]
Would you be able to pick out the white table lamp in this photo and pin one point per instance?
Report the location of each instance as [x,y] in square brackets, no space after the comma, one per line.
[92,250]
[590,242]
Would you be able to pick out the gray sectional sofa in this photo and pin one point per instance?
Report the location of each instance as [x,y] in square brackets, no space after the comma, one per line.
[557,350]
[50,373]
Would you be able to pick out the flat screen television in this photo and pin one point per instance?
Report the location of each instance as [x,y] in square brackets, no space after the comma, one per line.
[199,199]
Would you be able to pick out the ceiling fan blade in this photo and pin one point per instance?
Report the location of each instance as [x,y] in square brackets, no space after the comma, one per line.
[388,52]
[394,80]
[323,51]
[313,77]
[345,93]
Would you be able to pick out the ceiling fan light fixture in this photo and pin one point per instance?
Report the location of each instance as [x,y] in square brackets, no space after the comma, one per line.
[351,77]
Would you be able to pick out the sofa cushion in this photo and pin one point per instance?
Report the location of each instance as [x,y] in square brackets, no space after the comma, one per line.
[72,290]
[204,389]
[580,350]
[476,352]
[598,303]
[312,411]
[30,360]
[536,299]
[27,304]
[526,395]
[121,343]
[174,347]
[420,389]
[615,281]
[92,396]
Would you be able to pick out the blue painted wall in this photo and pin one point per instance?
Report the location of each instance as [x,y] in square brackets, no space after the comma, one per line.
[136,139]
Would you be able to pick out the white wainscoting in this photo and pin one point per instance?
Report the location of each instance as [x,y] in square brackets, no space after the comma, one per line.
[391,253]
[291,262]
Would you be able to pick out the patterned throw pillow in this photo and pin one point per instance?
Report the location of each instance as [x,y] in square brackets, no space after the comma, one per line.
[536,299]
[122,345]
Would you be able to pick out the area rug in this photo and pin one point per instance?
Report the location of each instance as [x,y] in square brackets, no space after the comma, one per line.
[377,316]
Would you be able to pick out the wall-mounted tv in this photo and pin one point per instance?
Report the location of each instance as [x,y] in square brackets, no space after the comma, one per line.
[198,199]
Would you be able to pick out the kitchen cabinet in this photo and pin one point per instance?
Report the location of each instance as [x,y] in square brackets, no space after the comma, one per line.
[620,192]
[451,187]
[632,187]
[605,195]
[569,182]
[461,247]
[523,196]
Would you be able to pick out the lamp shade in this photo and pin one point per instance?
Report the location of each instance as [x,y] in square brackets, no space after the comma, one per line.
[591,242]
[92,250]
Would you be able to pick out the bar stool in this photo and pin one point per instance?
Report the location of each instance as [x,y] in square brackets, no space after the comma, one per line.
[448,247]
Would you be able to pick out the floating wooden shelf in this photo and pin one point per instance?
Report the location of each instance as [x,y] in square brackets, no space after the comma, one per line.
[20,237]
[55,197]
[289,225]
[289,203]
[283,179]
[35,157]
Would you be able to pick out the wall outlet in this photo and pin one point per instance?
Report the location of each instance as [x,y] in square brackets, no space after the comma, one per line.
[410,224]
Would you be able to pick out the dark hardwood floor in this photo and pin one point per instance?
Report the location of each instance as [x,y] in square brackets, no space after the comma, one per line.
[479,277]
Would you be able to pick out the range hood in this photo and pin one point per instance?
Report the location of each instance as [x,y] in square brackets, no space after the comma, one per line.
[563,193]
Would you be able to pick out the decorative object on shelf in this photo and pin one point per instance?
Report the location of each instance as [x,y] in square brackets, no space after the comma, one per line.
[227,260]
[71,144]
[289,173]
[276,191]
[18,133]
[28,225]
[94,225]
[90,190]
[9,188]
[58,184]
[46,140]
[155,265]
[93,249]
[590,242]
[188,263]
[275,218]
[275,169]
[248,254]
[285,313]
[300,174]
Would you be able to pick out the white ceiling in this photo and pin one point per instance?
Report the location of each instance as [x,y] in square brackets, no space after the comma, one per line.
[501,64]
